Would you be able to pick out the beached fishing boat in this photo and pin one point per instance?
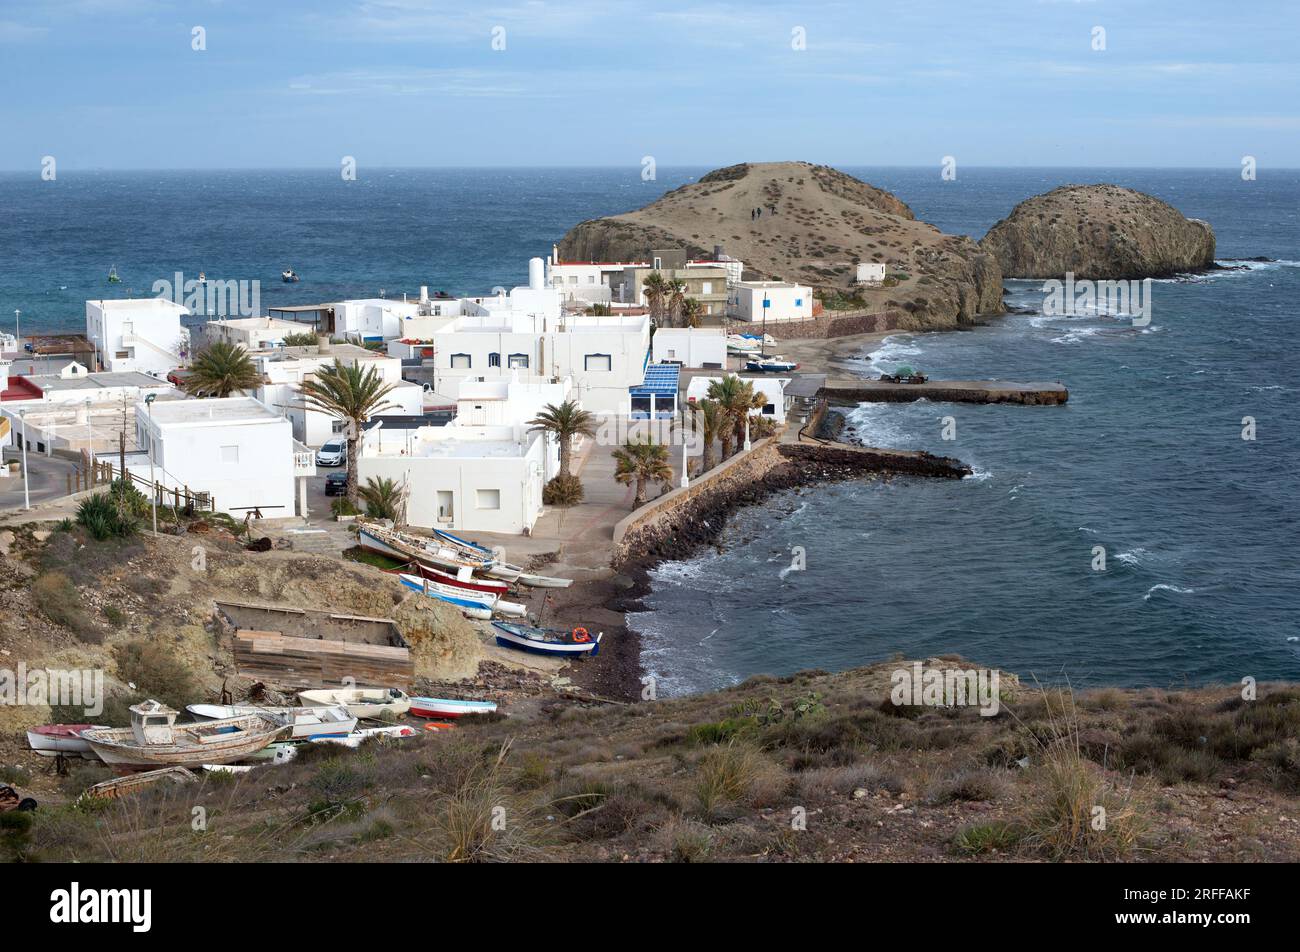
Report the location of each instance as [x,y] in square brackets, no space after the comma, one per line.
[448,708]
[51,740]
[774,364]
[548,641]
[406,548]
[154,739]
[475,602]
[368,703]
[463,579]
[305,723]
[498,568]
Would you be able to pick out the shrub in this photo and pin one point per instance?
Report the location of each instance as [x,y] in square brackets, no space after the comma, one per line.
[563,491]
[732,776]
[61,603]
[996,837]
[342,506]
[970,786]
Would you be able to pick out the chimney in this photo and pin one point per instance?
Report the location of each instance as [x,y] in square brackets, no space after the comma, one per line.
[322,344]
[424,294]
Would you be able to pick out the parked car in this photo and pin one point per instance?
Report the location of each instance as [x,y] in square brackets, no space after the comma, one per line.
[336,484]
[333,453]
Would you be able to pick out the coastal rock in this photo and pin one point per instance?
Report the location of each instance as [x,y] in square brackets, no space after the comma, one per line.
[1098,232]
[817,224]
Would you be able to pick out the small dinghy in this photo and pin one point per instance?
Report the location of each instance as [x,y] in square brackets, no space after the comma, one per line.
[51,740]
[154,739]
[447,708]
[305,723]
[368,703]
[548,641]
[112,276]
[289,276]
[480,605]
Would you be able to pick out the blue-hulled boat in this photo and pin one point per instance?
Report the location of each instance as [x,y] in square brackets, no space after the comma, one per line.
[548,641]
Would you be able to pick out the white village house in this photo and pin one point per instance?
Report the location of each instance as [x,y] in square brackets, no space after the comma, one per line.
[254,333]
[756,301]
[484,471]
[772,388]
[696,347]
[286,368]
[237,450]
[143,334]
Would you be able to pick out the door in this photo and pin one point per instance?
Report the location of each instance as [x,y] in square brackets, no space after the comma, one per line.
[445,511]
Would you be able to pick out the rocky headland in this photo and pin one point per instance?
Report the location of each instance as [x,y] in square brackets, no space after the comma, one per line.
[1099,232]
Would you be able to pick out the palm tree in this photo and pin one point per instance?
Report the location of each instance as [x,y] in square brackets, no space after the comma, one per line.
[692,312]
[219,370]
[564,422]
[736,398]
[384,498]
[676,302]
[710,422]
[641,462]
[352,395]
[305,339]
[656,289]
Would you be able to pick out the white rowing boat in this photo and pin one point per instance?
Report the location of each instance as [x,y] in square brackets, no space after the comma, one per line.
[306,723]
[367,703]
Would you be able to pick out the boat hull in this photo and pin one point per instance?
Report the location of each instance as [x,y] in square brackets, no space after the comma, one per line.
[51,740]
[480,585]
[370,704]
[305,723]
[117,745]
[474,604]
[443,559]
[512,636]
[446,708]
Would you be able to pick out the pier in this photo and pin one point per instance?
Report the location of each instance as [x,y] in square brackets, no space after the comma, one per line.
[848,391]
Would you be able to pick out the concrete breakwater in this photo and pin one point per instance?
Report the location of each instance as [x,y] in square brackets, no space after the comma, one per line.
[946,391]
[679,522]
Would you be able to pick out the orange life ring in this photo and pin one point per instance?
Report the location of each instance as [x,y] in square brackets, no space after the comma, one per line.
[581,635]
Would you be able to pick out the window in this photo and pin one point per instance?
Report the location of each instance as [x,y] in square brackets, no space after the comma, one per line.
[573,279]
[706,287]
[597,363]
[230,454]
[591,279]
[519,361]
[659,263]
[488,498]
[769,409]
[460,361]
[494,360]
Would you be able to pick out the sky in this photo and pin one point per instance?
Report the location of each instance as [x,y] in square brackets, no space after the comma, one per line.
[120,84]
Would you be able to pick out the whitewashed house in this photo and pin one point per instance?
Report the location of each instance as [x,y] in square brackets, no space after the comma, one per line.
[237,450]
[870,272]
[696,347]
[526,334]
[772,388]
[285,369]
[757,301]
[254,333]
[143,334]
[372,318]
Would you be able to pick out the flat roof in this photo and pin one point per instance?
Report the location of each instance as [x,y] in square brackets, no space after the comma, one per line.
[312,350]
[214,410]
[128,378]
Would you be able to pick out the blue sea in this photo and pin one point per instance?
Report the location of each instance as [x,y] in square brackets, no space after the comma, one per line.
[1147,460]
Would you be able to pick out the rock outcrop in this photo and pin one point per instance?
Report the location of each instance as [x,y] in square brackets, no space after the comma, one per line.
[817,224]
[1099,232]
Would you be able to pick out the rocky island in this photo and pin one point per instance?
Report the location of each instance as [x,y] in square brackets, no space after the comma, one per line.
[816,225]
[1099,232]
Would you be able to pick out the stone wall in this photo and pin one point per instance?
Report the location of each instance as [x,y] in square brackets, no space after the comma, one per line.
[836,324]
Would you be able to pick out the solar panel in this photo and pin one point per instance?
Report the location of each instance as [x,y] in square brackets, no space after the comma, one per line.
[660,380]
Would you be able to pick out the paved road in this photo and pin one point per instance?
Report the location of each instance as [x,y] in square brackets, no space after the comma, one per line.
[48,476]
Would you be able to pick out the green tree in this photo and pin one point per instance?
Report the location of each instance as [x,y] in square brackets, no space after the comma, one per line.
[564,423]
[219,370]
[676,303]
[305,339]
[384,498]
[736,397]
[352,395]
[692,312]
[657,289]
[641,462]
[710,422]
